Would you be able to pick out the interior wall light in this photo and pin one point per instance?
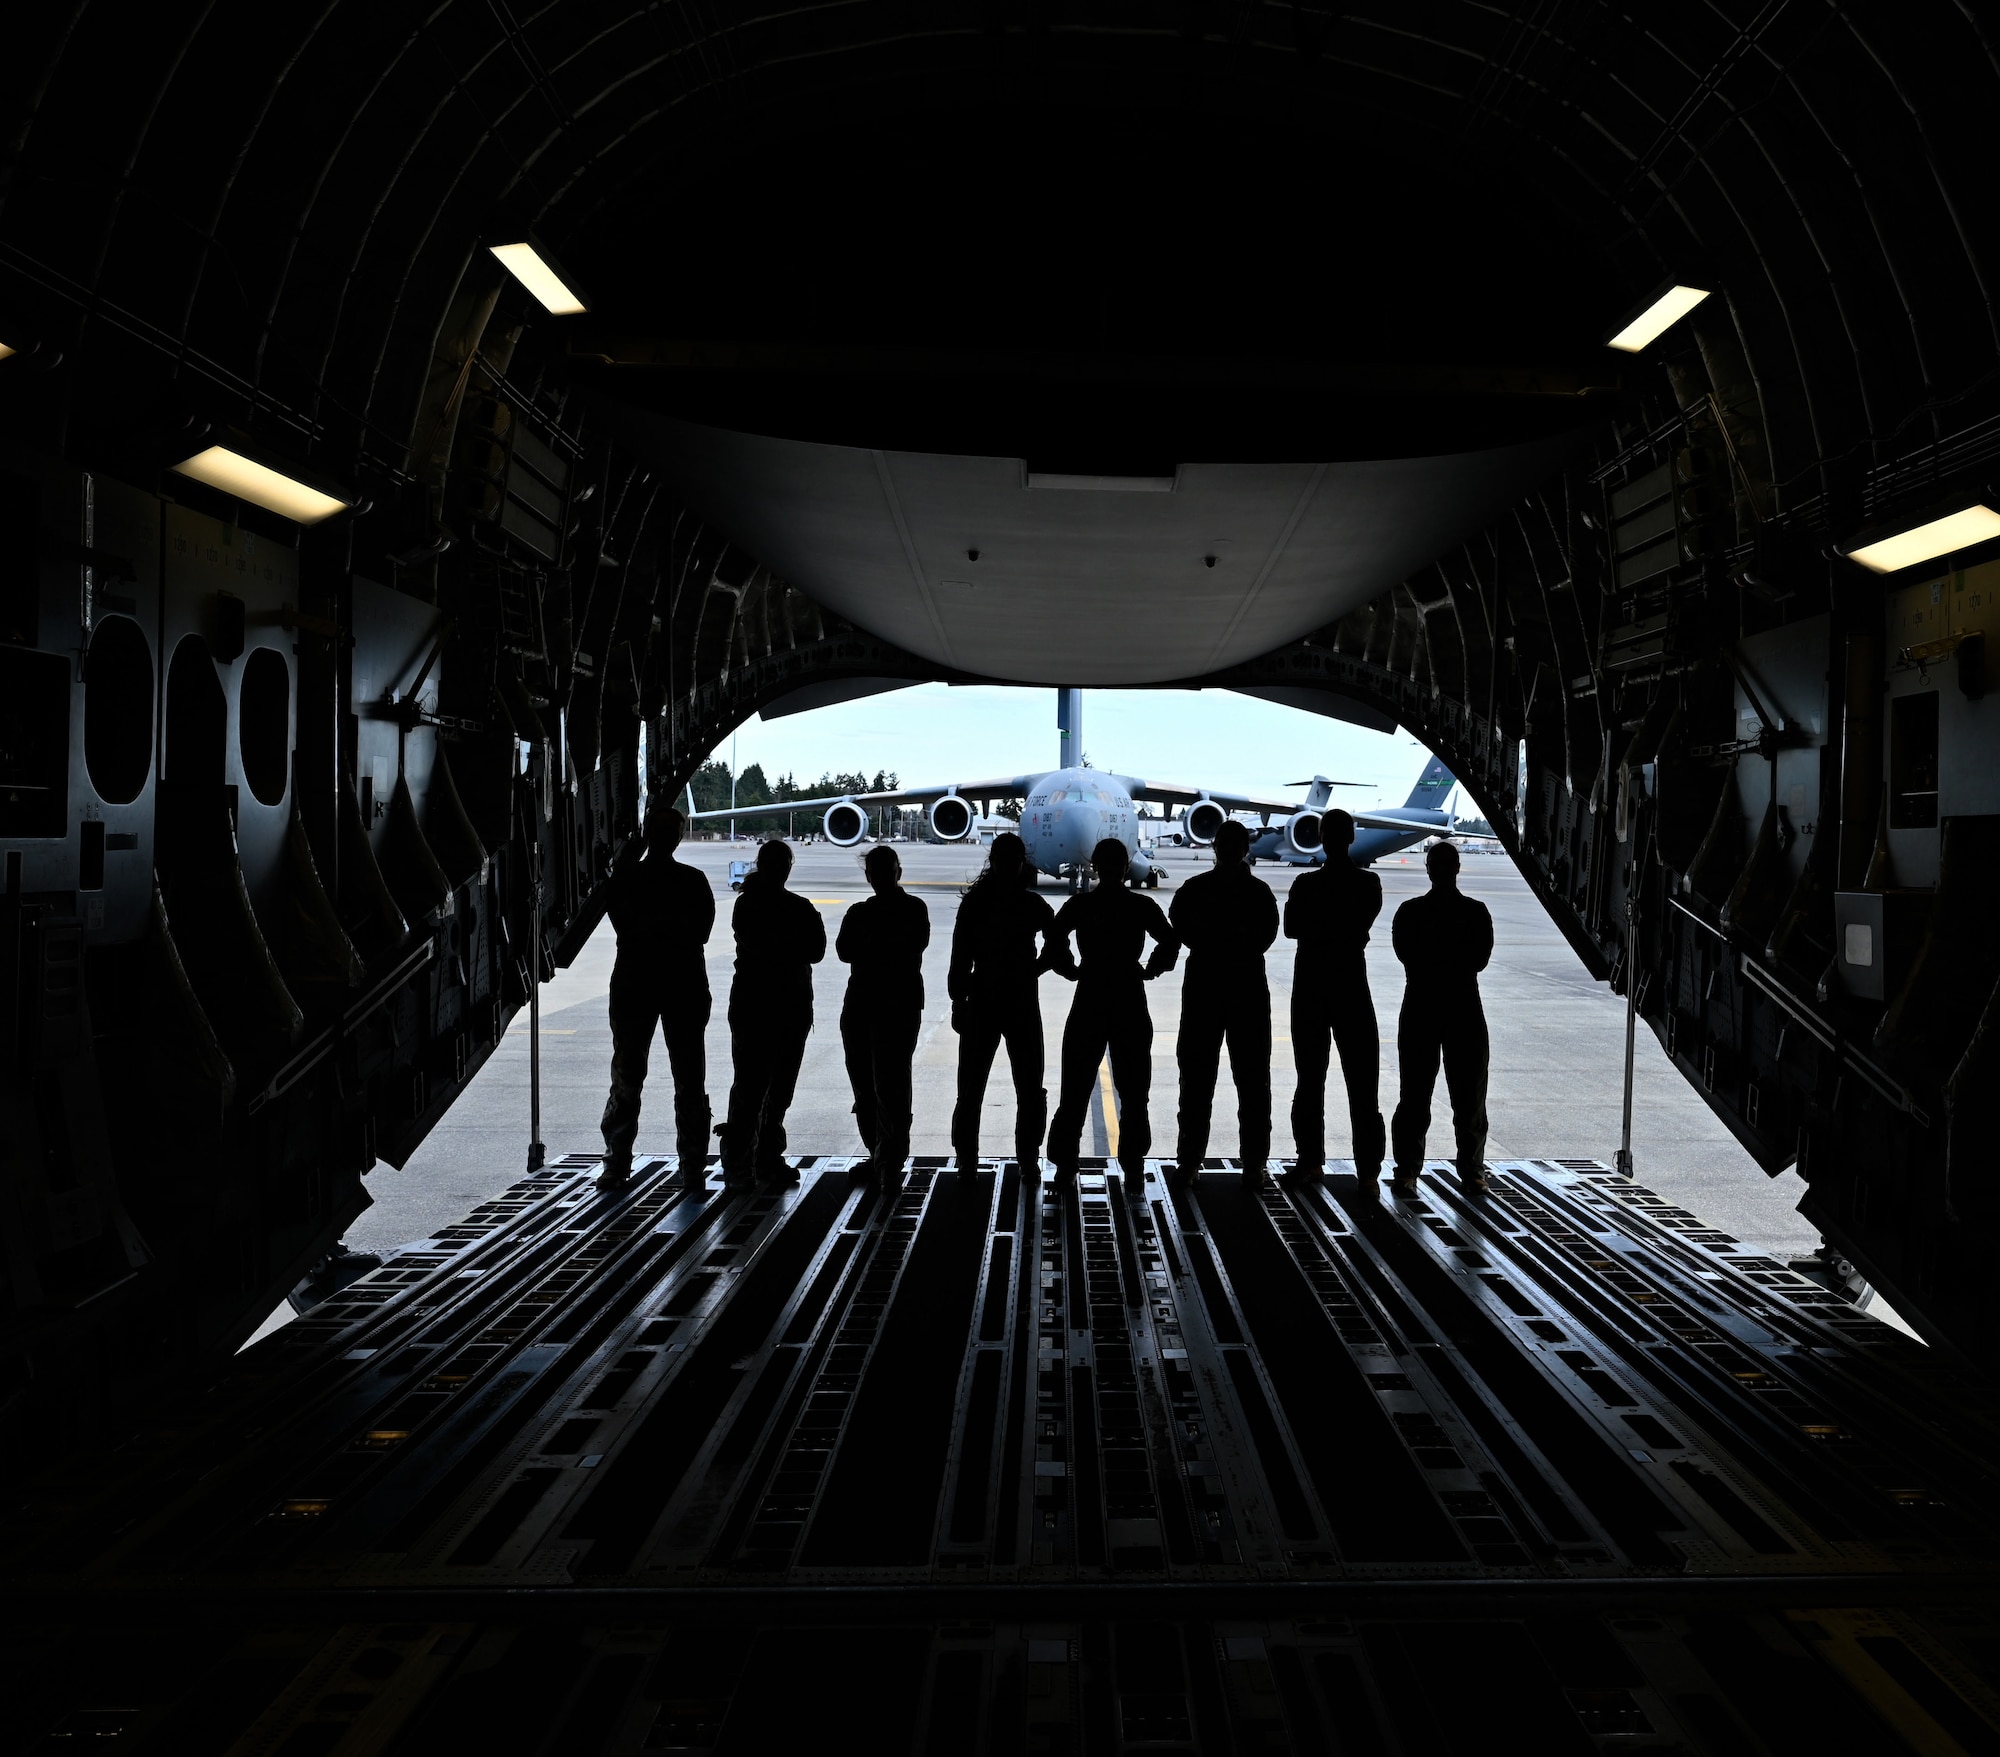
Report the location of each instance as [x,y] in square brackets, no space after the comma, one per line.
[1896,550]
[538,271]
[1665,308]
[284,491]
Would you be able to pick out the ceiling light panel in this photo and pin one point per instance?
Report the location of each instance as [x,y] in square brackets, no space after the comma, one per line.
[261,485]
[1926,542]
[1660,316]
[534,271]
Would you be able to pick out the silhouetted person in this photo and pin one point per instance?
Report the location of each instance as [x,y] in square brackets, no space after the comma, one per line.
[882,942]
[1002,941]
[663,912]
[1227,919]
[1329,912]
[1444,939]
[779,938]
[1109,1012]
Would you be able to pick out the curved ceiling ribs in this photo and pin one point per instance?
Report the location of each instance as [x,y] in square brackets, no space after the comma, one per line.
[272,219]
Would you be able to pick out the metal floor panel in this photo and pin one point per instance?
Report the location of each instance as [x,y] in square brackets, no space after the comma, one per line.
[1029,1466]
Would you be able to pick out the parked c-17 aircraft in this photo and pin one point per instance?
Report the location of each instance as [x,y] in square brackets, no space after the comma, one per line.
[1382,831]
[1065,811]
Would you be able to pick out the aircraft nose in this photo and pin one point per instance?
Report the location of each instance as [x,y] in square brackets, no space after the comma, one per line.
[1079,833]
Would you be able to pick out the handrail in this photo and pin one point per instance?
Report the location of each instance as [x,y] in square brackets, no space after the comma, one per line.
[328,1040]
[1831,1037]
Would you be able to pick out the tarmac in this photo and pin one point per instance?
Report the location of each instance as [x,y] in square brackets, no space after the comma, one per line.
[1558,1047]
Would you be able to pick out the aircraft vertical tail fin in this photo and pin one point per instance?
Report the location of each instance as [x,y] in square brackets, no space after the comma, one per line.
[1432,788]
[1069,728]
[1321,795]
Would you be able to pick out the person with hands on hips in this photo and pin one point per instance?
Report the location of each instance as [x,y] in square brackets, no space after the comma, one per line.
[1110,926]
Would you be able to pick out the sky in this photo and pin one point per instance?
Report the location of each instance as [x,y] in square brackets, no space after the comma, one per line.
[1204,738]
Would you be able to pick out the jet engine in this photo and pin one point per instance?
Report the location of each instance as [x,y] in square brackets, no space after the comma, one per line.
[846,823]
[1302,831]
[1201,820]
[951,818]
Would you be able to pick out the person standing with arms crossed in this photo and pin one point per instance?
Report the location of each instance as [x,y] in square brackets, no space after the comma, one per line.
[1109,1013]
[1227,919]
[779,938]
[1444,939]
[663,913]
[882,942]
[995,961]
[1329,912]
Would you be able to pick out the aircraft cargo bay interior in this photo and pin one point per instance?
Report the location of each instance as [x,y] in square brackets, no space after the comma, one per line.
[1071,1261]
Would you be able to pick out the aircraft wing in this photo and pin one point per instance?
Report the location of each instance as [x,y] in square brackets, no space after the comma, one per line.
[1006,787]
[1173,793]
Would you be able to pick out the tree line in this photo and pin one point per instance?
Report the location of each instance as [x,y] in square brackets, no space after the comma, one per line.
[710,788]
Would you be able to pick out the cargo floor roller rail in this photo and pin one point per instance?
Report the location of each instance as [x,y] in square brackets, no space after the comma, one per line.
[986,1465]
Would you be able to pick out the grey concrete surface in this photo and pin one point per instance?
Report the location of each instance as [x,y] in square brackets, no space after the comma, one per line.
[1558,1045]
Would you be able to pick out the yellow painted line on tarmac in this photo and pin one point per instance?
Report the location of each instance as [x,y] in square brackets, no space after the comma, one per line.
[832,902]
[1110,1106]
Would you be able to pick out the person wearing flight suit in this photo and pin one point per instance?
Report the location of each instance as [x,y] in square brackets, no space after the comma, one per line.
[779,938]
[1444,939]
[1111,925]
[663,912]
[1227,919]
[1329,912]
[882,941]
[1001,943]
